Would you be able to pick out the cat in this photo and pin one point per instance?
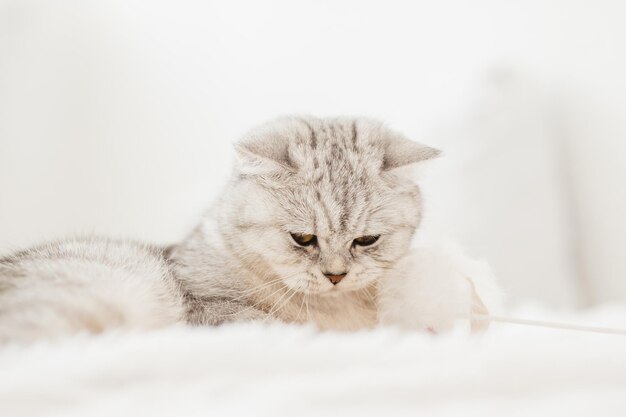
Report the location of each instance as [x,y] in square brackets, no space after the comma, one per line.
[316,221]
[316,213]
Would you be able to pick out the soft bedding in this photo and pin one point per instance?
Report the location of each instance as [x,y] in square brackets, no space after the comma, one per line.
[279,370]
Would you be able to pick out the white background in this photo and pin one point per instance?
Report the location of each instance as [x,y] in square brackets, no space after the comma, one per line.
[116,117]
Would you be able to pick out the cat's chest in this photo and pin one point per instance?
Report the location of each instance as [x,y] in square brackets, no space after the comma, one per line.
[343,313]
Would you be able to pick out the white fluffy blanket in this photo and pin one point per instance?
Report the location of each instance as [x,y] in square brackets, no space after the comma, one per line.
[256,370]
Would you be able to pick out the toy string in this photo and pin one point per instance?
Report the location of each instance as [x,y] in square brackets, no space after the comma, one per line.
[546,324]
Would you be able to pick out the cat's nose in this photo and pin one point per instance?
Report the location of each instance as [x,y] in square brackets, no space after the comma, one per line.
[335,278]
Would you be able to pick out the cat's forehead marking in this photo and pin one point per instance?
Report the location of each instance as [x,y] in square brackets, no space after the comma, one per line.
[339,178]
[326,213]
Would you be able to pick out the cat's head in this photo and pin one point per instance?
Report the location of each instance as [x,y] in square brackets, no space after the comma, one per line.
[323,203]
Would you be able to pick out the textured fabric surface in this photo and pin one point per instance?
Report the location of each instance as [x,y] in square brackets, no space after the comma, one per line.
[281,370]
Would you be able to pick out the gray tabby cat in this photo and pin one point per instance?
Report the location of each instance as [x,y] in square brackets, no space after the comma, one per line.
[316,215]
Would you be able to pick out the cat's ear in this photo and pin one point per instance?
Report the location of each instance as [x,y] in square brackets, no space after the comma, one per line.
[263,155]
[400,151]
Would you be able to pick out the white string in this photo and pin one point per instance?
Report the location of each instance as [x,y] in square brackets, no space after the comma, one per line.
[546,324]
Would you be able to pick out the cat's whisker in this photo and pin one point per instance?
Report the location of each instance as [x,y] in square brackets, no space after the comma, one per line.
[371,298]
[274,308]
[308,311]
[257,304]
[273,281]
[300,309]
[294,292]
[257,289]
[260,288]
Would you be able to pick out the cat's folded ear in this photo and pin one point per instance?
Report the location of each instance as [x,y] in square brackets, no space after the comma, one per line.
[263,155]
[400,152]
[265,151]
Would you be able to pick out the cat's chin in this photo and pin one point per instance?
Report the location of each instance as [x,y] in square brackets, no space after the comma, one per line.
[333,291]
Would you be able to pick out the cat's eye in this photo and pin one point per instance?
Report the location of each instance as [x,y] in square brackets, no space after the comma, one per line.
[303,239]
[365,240]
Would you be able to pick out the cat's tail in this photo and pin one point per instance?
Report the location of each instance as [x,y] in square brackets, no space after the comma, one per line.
[44,298]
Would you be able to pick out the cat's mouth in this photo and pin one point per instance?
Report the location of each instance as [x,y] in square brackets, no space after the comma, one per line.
[350,283]
[316,283]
